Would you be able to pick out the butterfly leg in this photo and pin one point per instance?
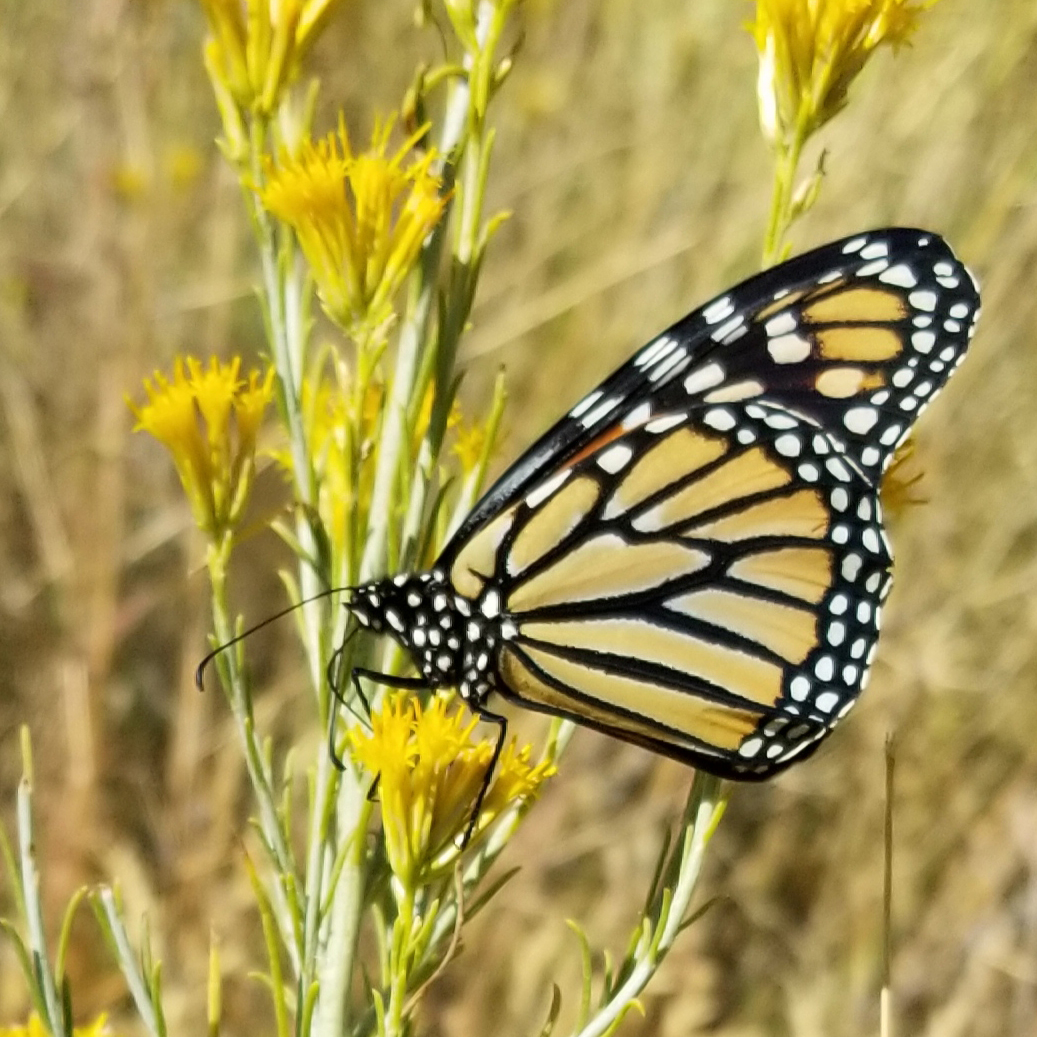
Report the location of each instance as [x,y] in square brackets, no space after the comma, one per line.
[502,734]
[386,680]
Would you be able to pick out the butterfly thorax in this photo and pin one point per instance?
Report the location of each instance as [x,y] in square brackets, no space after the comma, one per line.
[452,639]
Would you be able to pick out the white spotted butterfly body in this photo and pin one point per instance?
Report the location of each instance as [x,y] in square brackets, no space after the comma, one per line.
[693,559]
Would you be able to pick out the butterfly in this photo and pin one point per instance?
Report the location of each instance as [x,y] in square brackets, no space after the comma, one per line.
[693,559]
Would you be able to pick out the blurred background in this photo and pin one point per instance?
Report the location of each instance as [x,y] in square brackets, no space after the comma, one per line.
[629,154]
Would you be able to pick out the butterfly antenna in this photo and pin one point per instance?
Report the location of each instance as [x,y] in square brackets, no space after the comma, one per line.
[199,673]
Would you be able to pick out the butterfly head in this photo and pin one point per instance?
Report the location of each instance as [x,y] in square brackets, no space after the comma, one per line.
[450,638]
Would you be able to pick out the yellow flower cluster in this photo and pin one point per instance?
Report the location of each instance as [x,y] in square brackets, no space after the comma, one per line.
[901,481]
[469,438]
[469,444]
[360,219]
[430,771]
[342,431]
[36,1028]
[255,46]
[208,419]
[812,50]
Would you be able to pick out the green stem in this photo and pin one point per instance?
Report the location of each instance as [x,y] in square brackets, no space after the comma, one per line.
[474,94]
[394,429]
[408,384]
[129,961]
[283,297]
[413,341]
[779,219]
[30,883]
[701,816]
[240,700]
[279,295]
[343,919]
[325,782]
[399,964]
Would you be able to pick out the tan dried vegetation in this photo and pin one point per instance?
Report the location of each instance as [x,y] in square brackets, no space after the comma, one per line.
[630,155]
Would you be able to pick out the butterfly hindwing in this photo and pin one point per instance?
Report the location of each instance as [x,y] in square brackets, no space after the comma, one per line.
[692,588]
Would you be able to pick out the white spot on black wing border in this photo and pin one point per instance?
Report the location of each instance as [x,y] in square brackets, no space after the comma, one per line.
[942,303]
[818,692]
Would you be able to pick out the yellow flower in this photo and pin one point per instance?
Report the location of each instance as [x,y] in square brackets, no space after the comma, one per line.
[430,771]
[812,50]
[35,1028]
[469,444]
[901,480]
[341,430]
[183,164]
[360,219]
[208,419]
[423,416]
[255,46]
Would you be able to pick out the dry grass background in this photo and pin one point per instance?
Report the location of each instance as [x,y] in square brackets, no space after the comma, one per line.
[629,153]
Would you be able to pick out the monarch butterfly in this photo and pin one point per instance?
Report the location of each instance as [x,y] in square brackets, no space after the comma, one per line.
[693,558]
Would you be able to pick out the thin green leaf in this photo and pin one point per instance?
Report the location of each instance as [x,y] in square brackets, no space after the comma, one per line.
[107,905]
[552,1012]
[67,1015]
[309,1004]
[587,971]
[661,866]
[13,874]
[270,936]
[155,988]
[487,894]
[214,990]
[66,930]
[630,1006]
[379,1009]
[22,953]
[699,912]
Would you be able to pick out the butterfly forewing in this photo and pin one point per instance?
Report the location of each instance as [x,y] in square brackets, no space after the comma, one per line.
[858,335]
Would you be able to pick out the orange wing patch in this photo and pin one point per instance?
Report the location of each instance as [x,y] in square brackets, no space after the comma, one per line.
[801,514]
[606,566]
[555,520]
[652,706]
[744,675]
[748,473]
[678,455]
[857,306]
[784,629]
[800,572]
[860,344]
